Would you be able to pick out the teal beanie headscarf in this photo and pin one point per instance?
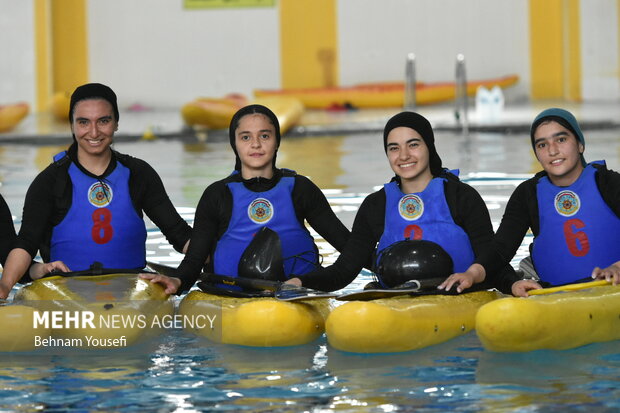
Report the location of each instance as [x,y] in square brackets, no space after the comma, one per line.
[564,118]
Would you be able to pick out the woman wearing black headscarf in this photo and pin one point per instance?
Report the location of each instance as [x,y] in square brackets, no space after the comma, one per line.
[88,205]
[257,195]
[423,201]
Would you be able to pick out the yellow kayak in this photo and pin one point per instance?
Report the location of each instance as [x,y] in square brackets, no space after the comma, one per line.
[255,322]
[558,321]
[403,323]
[88,312]
[11,115]
[216,113]
[59,105]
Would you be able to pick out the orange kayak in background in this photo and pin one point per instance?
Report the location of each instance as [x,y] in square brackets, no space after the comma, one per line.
[216,113]
[378,95]
[11,115]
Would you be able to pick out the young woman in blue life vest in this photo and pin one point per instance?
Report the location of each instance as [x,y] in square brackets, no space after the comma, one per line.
[423,201]
[88,205]
[572,208]
[257,195]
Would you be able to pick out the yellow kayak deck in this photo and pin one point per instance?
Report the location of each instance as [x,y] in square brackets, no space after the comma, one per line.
[257,322]
[558,321]
[403,323]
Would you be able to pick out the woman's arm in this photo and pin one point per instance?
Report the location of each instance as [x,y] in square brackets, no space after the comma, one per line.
[17,264]
[40,210]
[608,182]
[472,214]
[367,229]
[148,188]
[214,205]
[308,198]
[7,231]
[511,231]
[36,219]
[469,212]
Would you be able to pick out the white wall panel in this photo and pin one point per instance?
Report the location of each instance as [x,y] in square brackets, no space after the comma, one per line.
[17,56]
[599,50]
[376,36]
[157,53]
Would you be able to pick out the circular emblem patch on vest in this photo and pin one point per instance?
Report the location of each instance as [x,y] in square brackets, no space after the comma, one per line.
[411,207]
[567,203]
[99,194]
[260,211]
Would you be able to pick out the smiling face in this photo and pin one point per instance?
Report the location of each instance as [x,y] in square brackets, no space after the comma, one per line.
[93,125]
[558,151]
[255,140]
[409,159]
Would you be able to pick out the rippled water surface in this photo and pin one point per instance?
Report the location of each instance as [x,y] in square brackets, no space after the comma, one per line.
[180,372]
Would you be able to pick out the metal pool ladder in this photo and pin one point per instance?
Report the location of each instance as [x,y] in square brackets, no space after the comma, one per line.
[460,110]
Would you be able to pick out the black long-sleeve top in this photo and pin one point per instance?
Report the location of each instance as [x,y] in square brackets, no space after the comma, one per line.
[521,214]
[49,199]
[214,212]
[466,208]
[7,231]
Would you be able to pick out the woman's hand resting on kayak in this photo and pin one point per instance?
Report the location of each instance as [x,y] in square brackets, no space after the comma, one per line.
[463,280]
[294,281]
[521,287]
[611,273]
[38,270]
[171,284]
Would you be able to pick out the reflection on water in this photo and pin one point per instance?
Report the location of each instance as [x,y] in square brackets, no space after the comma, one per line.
[190,374]
[179,372]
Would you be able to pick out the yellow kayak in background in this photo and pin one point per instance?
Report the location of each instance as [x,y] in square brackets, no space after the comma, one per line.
[11,115]
[558,321]
[59,105]
[88,312]
[216,113]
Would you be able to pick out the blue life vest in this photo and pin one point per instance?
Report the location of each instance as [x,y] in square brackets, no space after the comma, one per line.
[424,215]
[274,209]
[101,225]
[578,230]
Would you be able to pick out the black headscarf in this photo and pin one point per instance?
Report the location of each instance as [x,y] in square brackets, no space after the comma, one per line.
[93,91]
[421,125]
[248,110]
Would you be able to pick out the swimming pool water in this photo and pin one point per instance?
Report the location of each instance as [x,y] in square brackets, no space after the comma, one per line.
[183,373]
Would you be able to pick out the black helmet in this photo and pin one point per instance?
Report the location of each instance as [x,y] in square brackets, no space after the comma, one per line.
[262,259]
[412,260]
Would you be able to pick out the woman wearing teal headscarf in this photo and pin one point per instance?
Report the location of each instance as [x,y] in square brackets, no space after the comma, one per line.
[572,208]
